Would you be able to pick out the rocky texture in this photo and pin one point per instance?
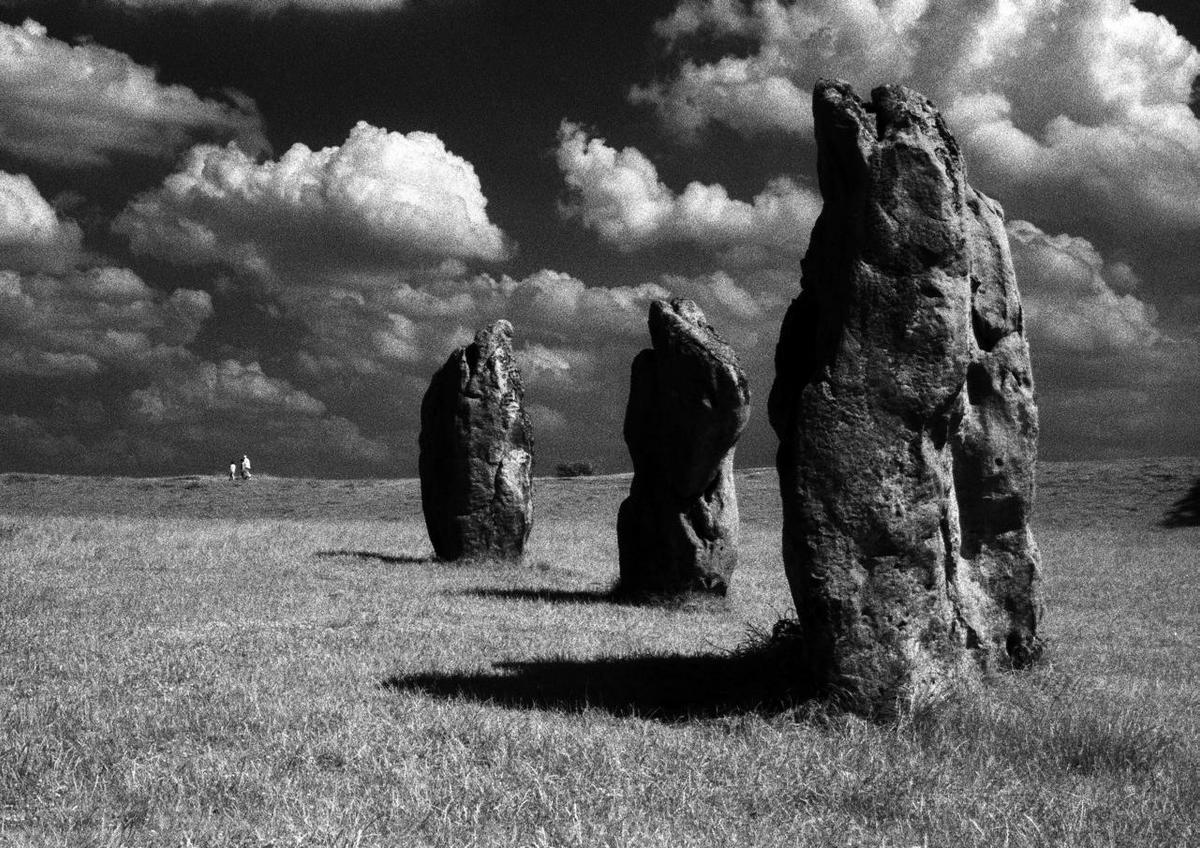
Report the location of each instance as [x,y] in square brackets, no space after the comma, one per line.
[903,400]
[677,531]
[476,461]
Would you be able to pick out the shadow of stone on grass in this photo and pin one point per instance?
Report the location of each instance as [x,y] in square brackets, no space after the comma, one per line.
[389,559]
[693,602]
[552,596]
[1185,512]
[668,687]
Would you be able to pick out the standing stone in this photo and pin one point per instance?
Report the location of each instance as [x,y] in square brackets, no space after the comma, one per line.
[476,459]
[677,531]
[903,400]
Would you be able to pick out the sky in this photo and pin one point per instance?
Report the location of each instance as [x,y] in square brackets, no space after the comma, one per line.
[235,227]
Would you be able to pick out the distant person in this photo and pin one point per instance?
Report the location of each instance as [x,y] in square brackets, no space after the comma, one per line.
[233,467]
[245,467]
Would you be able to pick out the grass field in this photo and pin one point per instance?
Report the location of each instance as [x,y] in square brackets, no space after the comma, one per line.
[190,661]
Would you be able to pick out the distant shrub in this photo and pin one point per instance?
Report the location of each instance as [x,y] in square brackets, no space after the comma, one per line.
[584,468]
[1186,511]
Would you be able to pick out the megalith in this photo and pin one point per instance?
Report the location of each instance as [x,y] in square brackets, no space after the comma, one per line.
[476,457]
[689,401]
[904,405]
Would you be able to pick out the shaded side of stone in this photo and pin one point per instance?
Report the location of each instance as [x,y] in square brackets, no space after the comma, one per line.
[688,404]
[476,452]
[997,591]
[903,403]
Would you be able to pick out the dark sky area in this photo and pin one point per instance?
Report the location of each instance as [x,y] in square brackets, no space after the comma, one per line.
[181,283]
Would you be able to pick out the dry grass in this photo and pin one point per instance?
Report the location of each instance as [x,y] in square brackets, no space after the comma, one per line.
[193,662]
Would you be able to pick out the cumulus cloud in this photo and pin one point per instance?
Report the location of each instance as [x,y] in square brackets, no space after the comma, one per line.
[721,291]
[618,194]
[380,200]
[162,403]
[408,330]
[228,388]
[121,389]
[1074,301]
[549,367]
[567,308]
[93,320]
[570,337]
[1109,373]
[192,418]
[558,304]
[573,342]
[84,105]
[748,319]
[237,404]
[1063,98]
[32,235]
[770,89]
[374,350]
[265,6]
[363,333]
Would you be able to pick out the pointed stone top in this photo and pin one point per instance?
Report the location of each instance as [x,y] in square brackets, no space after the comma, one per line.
[892,108]
[895,116]
[678,327]
[679,315]
[495,333]
[684,308]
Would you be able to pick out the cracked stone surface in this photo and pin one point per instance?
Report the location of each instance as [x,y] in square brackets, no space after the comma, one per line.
[689,402]
[904,404]
[476,452]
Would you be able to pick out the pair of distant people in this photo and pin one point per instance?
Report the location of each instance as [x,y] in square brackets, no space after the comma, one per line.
[240,469]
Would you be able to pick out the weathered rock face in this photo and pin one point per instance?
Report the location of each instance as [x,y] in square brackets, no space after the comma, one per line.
[903,400]
[677,531]
[476,460]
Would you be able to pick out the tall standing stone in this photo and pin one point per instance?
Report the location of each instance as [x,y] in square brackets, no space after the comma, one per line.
[677,532]
[903,400]
[476,460]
